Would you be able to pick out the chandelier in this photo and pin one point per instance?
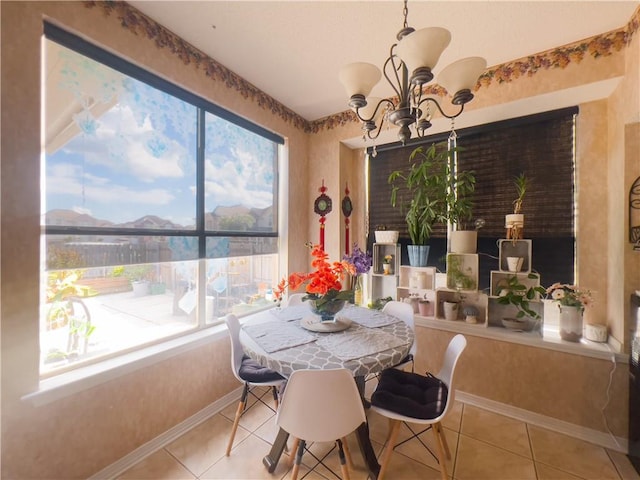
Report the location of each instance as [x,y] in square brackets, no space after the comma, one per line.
[417,51]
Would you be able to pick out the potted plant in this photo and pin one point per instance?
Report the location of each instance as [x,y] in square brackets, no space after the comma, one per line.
[511,291]
[463,237]
[437,194]
[514,222]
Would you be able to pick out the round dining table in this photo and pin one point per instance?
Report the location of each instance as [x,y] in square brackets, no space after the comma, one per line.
[362,340]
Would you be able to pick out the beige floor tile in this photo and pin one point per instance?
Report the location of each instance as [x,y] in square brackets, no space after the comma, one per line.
[498,430]
[204,445]
[404,468]
[623,465]
[416,451]
[545,472]
[159,466]
[571,455]
[478,460]
[254,416]
[245,463]
[358,472]
[268,430]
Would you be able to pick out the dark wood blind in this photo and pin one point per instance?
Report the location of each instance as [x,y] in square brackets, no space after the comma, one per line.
[540,146]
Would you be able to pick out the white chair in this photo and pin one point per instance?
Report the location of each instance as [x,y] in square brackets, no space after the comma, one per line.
[249,372]
[320,406]
[425,400]
[403,311]
[295,299]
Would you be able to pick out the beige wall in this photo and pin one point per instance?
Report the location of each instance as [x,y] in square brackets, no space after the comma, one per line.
[79,435]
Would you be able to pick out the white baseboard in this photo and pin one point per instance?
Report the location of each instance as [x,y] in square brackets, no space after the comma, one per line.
[119,467]
[590,435]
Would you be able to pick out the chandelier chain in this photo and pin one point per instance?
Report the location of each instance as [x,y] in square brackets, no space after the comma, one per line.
[405,12]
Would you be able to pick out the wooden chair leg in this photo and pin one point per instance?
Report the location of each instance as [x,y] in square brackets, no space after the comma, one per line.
[296,465]
[347,452]
[275,397]
[437,431]
[294,450]
[388,450]
[343,460]
[236,420]
[445,445]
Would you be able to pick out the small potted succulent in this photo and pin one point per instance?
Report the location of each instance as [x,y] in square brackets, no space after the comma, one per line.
[514,222]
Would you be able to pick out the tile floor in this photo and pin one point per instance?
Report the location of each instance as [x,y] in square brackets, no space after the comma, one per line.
[484,445]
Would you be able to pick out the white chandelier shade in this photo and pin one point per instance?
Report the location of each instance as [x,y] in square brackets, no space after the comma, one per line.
[423,47]
[461,75]
[359,78]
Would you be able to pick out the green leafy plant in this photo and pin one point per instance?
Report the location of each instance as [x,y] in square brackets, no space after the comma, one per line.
[458,276]
[513,292]
[437,192]
[520,183]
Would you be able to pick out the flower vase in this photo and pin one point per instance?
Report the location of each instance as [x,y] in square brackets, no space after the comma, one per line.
[386,268]
[357,290]
[326,310]
[570,323]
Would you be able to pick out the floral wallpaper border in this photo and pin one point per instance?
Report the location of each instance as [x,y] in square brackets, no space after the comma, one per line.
[139,24]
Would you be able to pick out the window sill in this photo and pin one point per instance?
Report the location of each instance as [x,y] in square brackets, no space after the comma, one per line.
[603,351]
[75,381]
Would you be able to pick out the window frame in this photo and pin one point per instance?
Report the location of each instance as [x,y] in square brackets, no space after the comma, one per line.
[79,45]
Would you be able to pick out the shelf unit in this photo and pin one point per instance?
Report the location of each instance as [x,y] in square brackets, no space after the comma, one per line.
[514,248]
[384,285]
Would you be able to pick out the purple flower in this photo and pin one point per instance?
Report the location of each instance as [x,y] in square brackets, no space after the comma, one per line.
[362,261]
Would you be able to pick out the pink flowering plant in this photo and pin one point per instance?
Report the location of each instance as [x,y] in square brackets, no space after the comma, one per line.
[569,295]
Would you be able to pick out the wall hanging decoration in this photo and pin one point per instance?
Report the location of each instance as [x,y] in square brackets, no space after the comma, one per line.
[634,214]
[347,208]
[322,206]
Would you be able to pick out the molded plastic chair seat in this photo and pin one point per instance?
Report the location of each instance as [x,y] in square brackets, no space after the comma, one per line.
[249,372]
[409,397]
[320,406]
[403,311]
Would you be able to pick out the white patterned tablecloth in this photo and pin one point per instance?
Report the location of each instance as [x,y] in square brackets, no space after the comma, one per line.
[373,342]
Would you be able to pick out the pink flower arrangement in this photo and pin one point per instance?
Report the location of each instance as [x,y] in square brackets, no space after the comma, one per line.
[569,295]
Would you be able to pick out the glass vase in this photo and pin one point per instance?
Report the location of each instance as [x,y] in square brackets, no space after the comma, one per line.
[357,290]
[326,310]
[570,323]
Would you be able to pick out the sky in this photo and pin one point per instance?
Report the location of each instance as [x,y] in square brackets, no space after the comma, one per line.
[139,157]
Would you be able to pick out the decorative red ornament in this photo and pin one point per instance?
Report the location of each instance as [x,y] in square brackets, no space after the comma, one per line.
[322,206]
[347,208]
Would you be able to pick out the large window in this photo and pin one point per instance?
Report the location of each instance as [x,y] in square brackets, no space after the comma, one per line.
[159,209]
[540,146]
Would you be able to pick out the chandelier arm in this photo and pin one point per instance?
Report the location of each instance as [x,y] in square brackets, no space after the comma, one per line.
[373,134]
[375,112]
[434,101]
[397,87]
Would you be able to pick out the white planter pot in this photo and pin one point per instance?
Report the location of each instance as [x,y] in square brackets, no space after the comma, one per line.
[514,264]
[386,236]
[450,310]
[464,241]
[514,220]
[514,223]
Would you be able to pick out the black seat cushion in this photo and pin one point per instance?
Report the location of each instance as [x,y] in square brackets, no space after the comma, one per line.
[410,394]
[252,371]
